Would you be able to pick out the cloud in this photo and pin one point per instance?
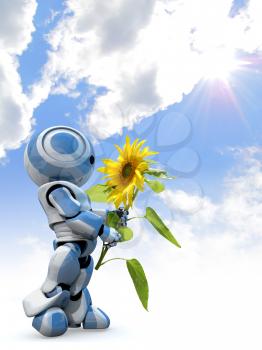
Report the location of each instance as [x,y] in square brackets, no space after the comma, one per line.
[239,211]
[206,295]
[16,24]
[15,112]
[16,27]
[183,202]
[146,54]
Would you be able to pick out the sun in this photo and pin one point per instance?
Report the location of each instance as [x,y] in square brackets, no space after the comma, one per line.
[218,64]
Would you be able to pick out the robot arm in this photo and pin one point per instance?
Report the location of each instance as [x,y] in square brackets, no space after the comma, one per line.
[102,213]
[108,235]
[85,223]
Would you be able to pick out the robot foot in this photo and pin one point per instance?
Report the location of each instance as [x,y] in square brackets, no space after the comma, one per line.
[95,319]
[51,323]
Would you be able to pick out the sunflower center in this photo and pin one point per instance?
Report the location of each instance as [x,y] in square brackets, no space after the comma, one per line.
[127,170]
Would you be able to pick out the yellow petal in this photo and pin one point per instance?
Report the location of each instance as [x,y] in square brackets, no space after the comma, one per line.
[102,170]
[139,180]
[119,149]
[130,196]
[133,146]
[111,163]
[140,144]
[145,152]
[127,140]
[118,201]
[142,166]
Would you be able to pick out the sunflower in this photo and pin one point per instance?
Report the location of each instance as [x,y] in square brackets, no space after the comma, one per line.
[125,176]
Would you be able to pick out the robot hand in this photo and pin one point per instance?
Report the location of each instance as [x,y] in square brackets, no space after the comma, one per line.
[110,237]
[123,215]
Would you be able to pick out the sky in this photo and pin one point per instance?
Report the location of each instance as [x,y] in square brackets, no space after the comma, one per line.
[184,75]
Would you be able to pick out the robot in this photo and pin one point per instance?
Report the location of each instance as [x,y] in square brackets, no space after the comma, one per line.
[59,160]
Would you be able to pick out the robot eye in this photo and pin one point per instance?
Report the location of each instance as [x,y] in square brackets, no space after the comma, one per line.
[92,159]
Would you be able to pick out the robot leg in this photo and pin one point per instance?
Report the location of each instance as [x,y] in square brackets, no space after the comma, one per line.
[80,299]
[94,318]
[48,303]
[80,309]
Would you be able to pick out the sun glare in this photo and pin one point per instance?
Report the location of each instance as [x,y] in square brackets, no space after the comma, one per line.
[219,64]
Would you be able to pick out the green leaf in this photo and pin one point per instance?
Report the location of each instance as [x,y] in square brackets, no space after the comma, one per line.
[138,276]
[159,173]
[155,185]
[97,193]
[159,225]
[112,219]
[126,233]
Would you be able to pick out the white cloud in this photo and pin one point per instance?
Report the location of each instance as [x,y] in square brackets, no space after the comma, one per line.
[15,112]
[16,27]
[204,296]
[16,24]
[146,53]
[239,212]
[183,202]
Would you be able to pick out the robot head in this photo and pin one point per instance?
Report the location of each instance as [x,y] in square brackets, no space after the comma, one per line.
[59,153]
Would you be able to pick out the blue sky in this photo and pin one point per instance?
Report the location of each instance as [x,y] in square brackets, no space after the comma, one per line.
[186,80]
[217,123]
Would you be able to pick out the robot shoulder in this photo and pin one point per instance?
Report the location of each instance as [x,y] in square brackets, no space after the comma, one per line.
[64,202]
[59,195]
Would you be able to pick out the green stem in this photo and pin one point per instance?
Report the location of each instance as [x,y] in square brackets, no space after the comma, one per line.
[111,260]
[102,255]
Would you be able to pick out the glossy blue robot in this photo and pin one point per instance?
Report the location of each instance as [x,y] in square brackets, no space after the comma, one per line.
[59,160]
